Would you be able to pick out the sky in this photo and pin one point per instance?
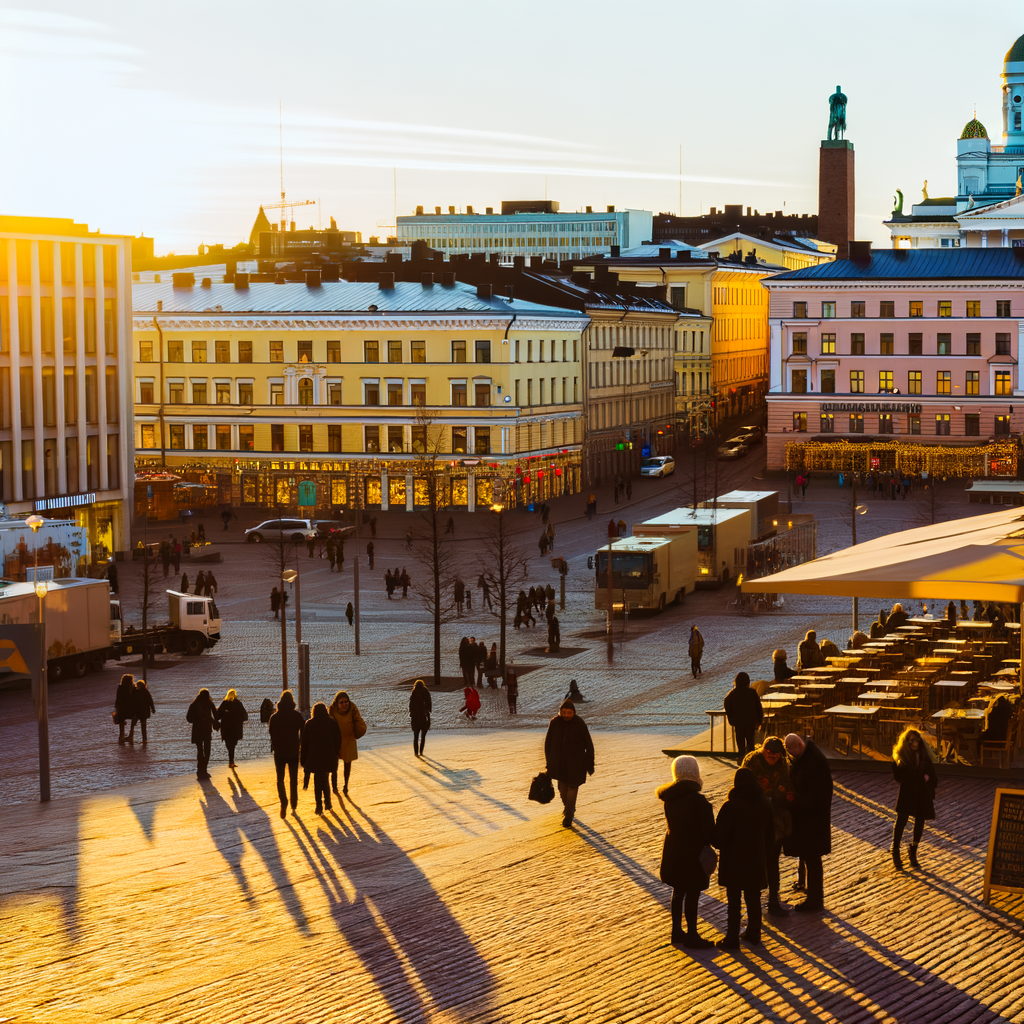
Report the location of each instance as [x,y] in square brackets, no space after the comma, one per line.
[139,117]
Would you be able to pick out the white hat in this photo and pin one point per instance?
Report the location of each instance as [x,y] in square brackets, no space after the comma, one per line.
[686,768]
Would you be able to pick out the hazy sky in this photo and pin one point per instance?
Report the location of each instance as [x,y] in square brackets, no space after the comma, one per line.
[163,118]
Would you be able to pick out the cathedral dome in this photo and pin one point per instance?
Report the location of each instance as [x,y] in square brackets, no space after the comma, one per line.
[974,129]
[1015,53]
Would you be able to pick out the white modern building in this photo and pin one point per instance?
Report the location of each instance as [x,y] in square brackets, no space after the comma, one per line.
[528,228]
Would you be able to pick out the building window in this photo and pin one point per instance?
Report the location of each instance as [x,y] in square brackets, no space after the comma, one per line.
[394,351]
[972,424]
[483,351]
[886,310]
[800,344]
[371,393]
[222,351]
[1002,425]
[916,309]
[277,437]
[418,393]
[828,344]
[419,439]
[394,393]
[943,382]
[972,383]
[277,394]
[856,344]
[304,352]
[482,394]
[828,310]
[245,392]
[223,438]
[828,382]
[529,392]
[885,344]
[305,437]
[942,423]
[245,351]
[856,309]
[178,435]
[974,344]
[418,351]
[176,393]
[223,393]
[305,391]
[856,423]
[198,351]
[334,393]
[146,392]
[175,351]
[371,441]
[459,394]
[277,351]
[371,352]
[800,421]
[482,441]
[885,380]
[828,423]
[885,422]
[148,435]
[915,344]
[799,382]
[914,382]
[1002,344]
[145,351]
[799,310]
[459,440]
[943,345]
[973,307]
[856,382]
[246,438]
[199,438]
[458,351]
[1003,382]
[334,437]
[199,393]
[1002,307]
[334,354]
[914,423]
[945,308]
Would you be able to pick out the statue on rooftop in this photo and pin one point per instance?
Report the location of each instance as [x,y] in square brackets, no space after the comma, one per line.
[837,114]
[898,201]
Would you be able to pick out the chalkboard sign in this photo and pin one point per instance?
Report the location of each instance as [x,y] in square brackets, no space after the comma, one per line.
[1004,865]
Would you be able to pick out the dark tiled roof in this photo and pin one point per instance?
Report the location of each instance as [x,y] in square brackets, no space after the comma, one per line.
[917,264]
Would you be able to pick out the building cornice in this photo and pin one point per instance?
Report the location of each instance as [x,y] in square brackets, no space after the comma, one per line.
[219,322]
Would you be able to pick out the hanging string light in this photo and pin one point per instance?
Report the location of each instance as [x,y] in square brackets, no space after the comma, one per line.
[998,458]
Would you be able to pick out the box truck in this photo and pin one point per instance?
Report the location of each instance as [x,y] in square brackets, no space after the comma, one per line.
[647,572]
[722,536]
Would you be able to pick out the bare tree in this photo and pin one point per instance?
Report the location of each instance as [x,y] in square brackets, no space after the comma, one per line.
[150,589]
[506,567]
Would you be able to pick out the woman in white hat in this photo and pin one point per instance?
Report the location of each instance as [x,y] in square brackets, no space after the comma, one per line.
[687,859]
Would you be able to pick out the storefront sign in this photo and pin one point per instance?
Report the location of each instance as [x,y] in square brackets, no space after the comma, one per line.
[68,501]
[869,407]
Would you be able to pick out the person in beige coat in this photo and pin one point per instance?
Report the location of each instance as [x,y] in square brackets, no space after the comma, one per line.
[352,727]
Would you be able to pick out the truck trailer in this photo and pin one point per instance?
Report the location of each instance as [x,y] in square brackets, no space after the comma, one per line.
[722,536]
[647,572]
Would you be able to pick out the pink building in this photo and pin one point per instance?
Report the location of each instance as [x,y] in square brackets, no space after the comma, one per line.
[907,356]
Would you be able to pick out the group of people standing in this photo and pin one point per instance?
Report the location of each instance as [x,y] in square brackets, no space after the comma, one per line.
[476,660]
[395,579]
[206,584]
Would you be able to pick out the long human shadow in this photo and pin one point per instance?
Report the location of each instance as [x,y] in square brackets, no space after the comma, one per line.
[394,909]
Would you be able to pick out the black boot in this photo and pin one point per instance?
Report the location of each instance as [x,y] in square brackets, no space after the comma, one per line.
[913,856]
[897,860]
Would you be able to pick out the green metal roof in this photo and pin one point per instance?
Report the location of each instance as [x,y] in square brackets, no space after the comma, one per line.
[974,129]
[1016,52]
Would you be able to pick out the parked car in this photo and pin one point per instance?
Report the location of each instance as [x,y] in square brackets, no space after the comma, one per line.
[732,450]
[751,429]
[747,437]
[296,530]
[658,465]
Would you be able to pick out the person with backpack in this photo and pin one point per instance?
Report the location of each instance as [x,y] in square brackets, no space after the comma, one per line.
[420,707]
[351,728]
[285,729]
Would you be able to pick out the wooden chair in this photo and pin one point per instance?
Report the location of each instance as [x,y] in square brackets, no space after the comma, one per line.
[1001,750]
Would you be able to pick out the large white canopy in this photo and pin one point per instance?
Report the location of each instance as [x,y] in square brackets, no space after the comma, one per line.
[979,558]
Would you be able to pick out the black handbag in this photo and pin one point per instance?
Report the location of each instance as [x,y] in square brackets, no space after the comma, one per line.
[541,789]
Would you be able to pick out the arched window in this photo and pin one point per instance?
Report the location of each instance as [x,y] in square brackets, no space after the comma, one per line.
[306,391]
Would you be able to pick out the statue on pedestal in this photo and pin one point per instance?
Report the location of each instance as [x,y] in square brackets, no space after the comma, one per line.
[836,115]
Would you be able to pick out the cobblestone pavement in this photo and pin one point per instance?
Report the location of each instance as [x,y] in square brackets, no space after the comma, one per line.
[439,893]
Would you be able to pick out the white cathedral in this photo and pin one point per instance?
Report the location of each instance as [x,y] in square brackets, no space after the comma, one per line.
[988,208]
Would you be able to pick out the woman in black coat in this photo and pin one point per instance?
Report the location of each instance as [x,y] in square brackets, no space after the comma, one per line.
[691,827]
[811,837]
[420,706]
[202,713]
[914,769]
[569,756]
[232,715]
[124,704]
[743,832]
[744,712]
[142,708]
[321,742]
[782,670]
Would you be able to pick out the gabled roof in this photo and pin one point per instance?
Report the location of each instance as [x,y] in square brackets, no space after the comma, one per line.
[917,264]
[788,242]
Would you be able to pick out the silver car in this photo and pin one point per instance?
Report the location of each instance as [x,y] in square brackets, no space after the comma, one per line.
[658,465]
[274,530]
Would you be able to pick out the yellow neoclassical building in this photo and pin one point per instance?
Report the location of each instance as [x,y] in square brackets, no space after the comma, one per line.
[254,388]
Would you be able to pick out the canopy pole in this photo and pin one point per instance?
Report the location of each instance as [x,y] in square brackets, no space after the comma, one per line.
[1020,649]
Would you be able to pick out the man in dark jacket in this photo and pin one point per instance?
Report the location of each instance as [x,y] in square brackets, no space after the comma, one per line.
[744,712]
[321,742]
[202,713]
[811,838]
[569,753]
[285,728]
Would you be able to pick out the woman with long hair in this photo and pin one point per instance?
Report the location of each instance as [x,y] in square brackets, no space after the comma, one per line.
[913,767]
[232,716]
[420,707]
[352,728]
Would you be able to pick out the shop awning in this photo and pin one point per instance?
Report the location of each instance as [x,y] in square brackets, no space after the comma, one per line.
[976,559]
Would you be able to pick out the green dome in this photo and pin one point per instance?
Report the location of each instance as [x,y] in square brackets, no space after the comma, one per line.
[974,129]
[1015,52]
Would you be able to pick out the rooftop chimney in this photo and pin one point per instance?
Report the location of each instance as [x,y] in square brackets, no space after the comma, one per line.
[334,224]
[665,253]
[207,282]
[616,250]
[437,211]
[860,252]
[427,280]
[490,211]
[451,209]
[183,279]
[330,272]
[448,278]
[386,280]
[312,278]
[469,209]
[419,211]
[611,209]
[483,291]
[589,210]
[241,280]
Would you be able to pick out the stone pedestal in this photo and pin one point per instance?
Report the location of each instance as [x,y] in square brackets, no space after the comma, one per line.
[836,205]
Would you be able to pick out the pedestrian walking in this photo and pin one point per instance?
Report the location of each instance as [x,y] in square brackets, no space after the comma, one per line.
[233,716]
[574,693]
[629,490]
[459,593]
[569,756]
[200,584]
[142,708]
[591,507]
[165,556]
[352,728]
[512,692]
[551,536]
[811,838]
[285,728]
[771,769]
[543,543]
[369,552]
[472,703]
[485,592]
[340,548]
[491,667]
[275,601]
[112,576]
[690,823]
[202,713]
[184,582]
[744,713]
[389,583]
[695,650]
[450,526]
[176,554]
[202,533]
[743,831]
[321,740]
[420,706]
[124,704]
[469,598]
[332,553]
[211,585]
[913,768]
[480,663]
[408,539]
[310,545]
[373,526]
[405,581]
[225,517]
[350,613]
[554,636]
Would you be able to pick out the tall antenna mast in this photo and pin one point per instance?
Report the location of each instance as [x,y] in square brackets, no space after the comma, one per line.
[680,179]
[280,147]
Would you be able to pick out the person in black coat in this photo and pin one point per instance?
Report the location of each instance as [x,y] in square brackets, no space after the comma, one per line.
[897,617]
[781,669]
[232,715]
[285,728]
[142,708]
[124,704]
[913,768]
[321,741]
[811,837]
[569,755]
[202,713]
[691,827]
[420,706]
[743,832]
[744,712]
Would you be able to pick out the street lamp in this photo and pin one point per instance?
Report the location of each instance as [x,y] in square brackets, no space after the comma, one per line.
[291,576]
[42,710]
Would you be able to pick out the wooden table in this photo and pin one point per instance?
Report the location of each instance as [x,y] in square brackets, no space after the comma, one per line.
[879,697]
[854,652]
[998,687]
[804,678]
[886,684]
[946,690]
[858,714]
[960,719]
[817,688]
[725,728]
[979,628]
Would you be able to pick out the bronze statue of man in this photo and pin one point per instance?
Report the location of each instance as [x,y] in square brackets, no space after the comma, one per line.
[837,114]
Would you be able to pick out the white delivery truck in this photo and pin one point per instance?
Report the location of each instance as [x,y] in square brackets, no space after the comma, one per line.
[647,572]
[193,626]
[762,505]
[722,537]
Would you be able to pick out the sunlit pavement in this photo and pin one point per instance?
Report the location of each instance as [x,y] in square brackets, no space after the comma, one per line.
[439,893]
